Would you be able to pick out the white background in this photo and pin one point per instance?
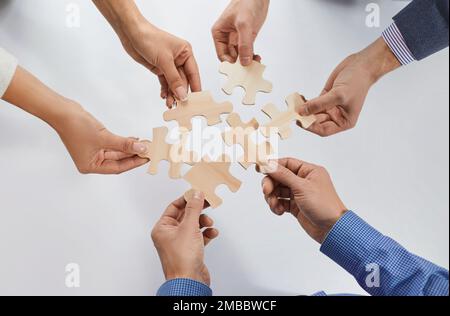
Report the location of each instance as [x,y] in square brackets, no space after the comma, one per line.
[392,169]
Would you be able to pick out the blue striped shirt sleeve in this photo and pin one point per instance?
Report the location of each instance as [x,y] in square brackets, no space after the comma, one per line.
[184,287]
[394,39]
[380,265]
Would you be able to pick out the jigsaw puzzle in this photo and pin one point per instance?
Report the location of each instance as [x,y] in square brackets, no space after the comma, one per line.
[249,78]
[206,176]
[198,104]
[241,134]
[159,150]
[281,121]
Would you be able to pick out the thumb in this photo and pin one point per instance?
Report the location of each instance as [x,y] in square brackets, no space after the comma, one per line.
[245,44]
[126,145]
[283,176]
[173,78]
[321,104]
[194,208]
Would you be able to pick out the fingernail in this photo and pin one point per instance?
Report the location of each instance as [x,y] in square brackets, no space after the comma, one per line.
[246,61]
[197,195]
[303,111]
[181,94]
[139,148]
[271,167]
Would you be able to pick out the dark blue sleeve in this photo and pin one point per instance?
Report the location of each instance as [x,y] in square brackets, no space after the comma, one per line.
[424,26]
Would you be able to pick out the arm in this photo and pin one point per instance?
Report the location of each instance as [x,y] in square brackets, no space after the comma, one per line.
[180,237]
[236,30]
[307,192]
[419,30]
[168,57]
[93,148]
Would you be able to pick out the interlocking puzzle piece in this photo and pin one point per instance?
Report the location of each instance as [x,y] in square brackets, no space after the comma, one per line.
[281,121]
[241,134]
[206,176]
[249,78]
[198,104]
[159,150]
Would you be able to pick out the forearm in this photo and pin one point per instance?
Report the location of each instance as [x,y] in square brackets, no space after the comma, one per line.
[379,264]
[123,15]
[31,95]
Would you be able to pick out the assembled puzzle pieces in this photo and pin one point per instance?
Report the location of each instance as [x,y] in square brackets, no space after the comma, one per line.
[206,176]
[241,134]
[281,121]
[249,78]
[159,150]
[198,104]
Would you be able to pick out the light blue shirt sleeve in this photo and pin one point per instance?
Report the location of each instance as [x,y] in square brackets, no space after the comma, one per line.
[380,265]
[184,287]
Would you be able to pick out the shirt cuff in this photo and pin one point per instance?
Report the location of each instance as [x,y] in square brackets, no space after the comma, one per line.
[184,287]
[394,39]
[350,241]
[8,65]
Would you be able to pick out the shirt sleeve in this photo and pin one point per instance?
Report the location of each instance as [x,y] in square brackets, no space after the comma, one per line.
[419,30]
[380,265]
[184,287]
[8,65]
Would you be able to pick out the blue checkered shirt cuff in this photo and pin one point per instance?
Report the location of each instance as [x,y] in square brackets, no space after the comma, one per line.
[184,287]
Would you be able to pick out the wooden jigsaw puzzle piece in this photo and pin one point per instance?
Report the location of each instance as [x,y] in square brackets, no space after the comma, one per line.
[249,78]
[159,150]
[198,104]
[294,102]
[280,123]
[241,134]
[206,176]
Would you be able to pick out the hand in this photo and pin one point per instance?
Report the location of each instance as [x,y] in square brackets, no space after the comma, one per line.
[307,192]
[236,30]
[93,148]
[180,242]
[168,57]
[341,101]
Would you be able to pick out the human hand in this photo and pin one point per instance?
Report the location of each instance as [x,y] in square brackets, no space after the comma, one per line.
[338,107]
[180,242]
[93,148]
[167,56]
[306,191]
[236,30]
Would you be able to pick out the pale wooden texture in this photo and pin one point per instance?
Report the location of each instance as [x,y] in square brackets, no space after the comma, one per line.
[206,176]
[281,121]
[159,150]
[198,104]
[241,134]
[249,78]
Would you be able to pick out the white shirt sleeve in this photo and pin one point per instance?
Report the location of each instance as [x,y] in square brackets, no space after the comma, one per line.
[8,65]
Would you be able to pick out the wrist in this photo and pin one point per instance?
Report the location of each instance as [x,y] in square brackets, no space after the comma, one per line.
[328,226]
[379,59]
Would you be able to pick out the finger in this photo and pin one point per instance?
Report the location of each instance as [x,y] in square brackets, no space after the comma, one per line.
[121,166]
[194,208]
[174,80]
[245,43]
[283,175]
[298,167]
[164,87]
[325,129]
[268,185]
[257,58]
[193,74]
[170,101]
[175,208]
[117,155]
[205,221]
[125,145]
[321,104]
[209,234]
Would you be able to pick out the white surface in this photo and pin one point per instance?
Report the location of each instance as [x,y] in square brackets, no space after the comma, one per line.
[392,169]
